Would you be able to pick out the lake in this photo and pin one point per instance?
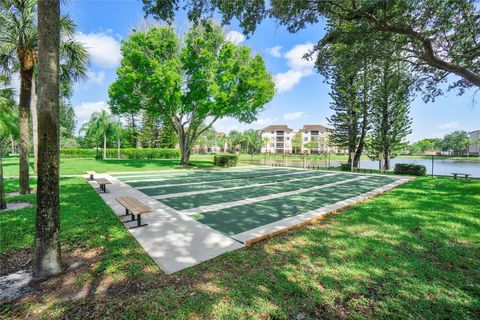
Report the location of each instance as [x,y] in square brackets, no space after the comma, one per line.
[440,166]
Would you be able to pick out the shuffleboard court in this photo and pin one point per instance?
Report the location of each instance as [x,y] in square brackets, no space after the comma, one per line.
[234,201]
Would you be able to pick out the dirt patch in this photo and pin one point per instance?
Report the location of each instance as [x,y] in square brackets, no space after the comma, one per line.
[19,260]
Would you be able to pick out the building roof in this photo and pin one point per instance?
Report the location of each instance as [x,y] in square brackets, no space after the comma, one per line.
[314,127]
[277,127]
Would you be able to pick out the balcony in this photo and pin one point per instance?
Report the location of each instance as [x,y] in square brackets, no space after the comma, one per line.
[280,133]
[280,139]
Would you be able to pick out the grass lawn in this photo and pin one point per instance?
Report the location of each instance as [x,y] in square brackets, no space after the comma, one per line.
[410,253]
[79,166]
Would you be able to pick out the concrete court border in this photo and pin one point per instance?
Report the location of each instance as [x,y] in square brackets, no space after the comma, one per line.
[213,241]
[172,239]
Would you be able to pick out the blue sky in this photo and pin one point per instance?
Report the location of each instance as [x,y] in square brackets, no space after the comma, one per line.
[301,97]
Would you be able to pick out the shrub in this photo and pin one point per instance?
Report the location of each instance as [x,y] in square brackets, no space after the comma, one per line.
[225,160]
[345,166]
[144,153]
[410,169]
[126,153]
[78,153]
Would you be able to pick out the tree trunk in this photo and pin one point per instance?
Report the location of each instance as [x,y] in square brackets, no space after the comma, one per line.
[47,259]
[184,150]
[118,149]
[24,114]
[3,203]
[13,144]
[386,160]
[33,108]
[104,146]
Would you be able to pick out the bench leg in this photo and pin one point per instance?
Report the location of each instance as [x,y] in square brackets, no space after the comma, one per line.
[139,222]
[126,212]
[91,177]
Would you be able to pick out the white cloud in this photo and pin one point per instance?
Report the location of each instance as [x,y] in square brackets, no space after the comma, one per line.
[287,80]
[299,67]
[84,110]
[104,50]
[294,116]
[235,37]
[96,77]
[275,51]
[448,125]
[264,121]
[295,59]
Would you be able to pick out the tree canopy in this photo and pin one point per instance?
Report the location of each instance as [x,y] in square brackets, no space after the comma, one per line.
[191,82]
[437,38]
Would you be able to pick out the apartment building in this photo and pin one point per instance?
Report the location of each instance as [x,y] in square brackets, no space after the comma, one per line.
[474,147]
[312,138]
[277,139]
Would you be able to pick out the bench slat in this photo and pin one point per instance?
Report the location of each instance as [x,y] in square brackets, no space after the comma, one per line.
[133,205]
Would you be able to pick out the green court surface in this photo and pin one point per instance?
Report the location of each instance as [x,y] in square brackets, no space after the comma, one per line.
[233,201]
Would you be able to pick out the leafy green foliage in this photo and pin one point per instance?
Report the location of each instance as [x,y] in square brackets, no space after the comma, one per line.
[410,169]
[437,38]
[225,160]
[189,82]
[127,153]
[456,142]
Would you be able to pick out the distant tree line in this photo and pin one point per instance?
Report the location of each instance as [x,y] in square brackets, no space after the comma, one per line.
[454,143]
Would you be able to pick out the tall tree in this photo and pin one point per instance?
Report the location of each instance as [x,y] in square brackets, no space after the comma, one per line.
[438,37]
[18,51]
[47,258]
[390,113]
[193,82]
[456,142]
[101,125]
[350,113]
[8,129]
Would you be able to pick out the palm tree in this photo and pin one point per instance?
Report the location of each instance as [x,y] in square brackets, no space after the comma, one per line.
[118,132]
[8,129]
[47,258]
[100,125]
[18,52]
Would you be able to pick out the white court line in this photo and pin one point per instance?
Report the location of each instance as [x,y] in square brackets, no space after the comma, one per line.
[179,172]
[206,182]
[191,193]
[219,206]
[298,220]
[157,177]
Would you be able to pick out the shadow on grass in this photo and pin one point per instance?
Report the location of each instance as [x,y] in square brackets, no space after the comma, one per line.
[395,256]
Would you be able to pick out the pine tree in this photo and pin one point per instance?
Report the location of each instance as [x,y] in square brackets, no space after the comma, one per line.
[351,110]
[390,112]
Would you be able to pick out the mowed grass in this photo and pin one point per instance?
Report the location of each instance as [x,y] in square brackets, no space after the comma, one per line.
[79,166]
[412,253]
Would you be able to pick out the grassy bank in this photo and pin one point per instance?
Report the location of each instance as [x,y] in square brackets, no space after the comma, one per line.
[411,253]
[79,166]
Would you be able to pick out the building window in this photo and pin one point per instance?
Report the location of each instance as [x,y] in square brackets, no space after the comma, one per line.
[305,139]
[273,132]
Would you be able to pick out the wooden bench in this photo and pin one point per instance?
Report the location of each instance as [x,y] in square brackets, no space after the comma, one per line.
[456,174]
[135,208]
[103,184]
[91,174]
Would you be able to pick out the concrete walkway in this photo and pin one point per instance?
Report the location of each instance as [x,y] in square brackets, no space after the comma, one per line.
[173,240]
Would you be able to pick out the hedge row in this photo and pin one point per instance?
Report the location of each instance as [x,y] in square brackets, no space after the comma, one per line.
[410,169]
[126,153]
[225,160]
